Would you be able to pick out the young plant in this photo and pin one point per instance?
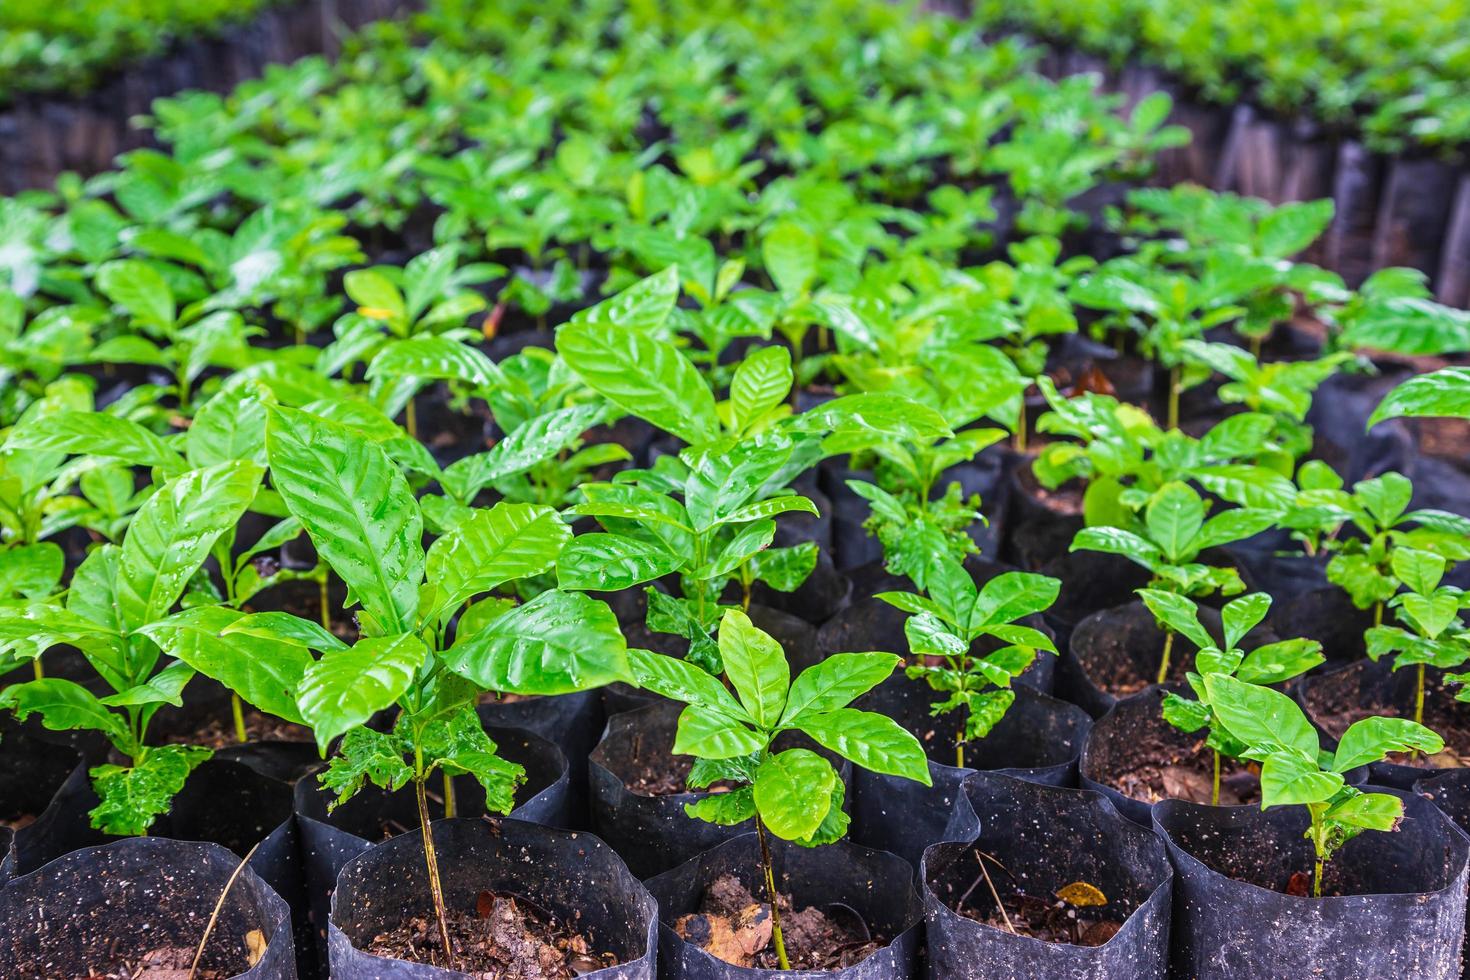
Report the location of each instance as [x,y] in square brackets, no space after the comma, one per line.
[1269,664]
[1379,510]
[1297,771]
[362,517]
[1436,636]
[118,595]
[793,793]
[718,528]
[1175,530]
[944,626]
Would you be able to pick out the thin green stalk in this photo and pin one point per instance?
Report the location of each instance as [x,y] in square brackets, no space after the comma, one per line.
[1174,382]
[37,669]
[1418,706]
[322,592]
[777,938]
[237,711]
[449,807]
[1215,788]
[1164,660]
[1378,614]
[1317,878]
[410,419]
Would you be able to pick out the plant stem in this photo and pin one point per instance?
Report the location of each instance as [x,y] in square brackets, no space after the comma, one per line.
[238,713]
[410,419]
[323,592]
[1215,789]
[776,936]
[1164,660]
[959,749]
[1173,417]
[1317,878]
[1021,427]
[1378,614]
[431,861]
[1418,706]
[37,669]
[449,806]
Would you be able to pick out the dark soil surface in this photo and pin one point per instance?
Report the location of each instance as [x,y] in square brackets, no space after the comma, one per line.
[734,926]
[166,963]
[1153,767]
[655,771]
[506,938]
[1065,499]
[219,733]
[1335,702]
[1050,920]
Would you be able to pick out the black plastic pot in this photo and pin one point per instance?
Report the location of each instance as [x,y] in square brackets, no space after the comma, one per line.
[98,905]
[1039,739]
[1355,193]
[874,884]
[1117,652]
[571,722]
[825,591]
[1091,582]
[1366,687]
[7,854]
[330,839]
[1328,616]
[571,875]
[1062,836]
[1135,725]
[1452,285]
[1414,213]
[32,774]
[1394,903]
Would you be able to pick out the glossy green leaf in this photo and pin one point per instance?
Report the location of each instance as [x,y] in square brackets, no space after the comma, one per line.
[495,546]
[347,687]
[608,562]
[871,740]
[756,666]
[835,683]
[793,792]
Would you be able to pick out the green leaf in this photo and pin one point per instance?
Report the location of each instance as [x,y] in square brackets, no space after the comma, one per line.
[1370,811]
[558,643]
[609,562]
[789,254]
[1011,596]
[32,571]
[793,792]
[1177,614]
[365,755]
[65,706]
[835,683]
[97,434]
[282,625]
[761,382]
[725,809]
[715,735]
[1117,541]
[756,666]
[871,740]
[1184,714]
[140,289]
[643,307]
[1280,661]
[1371,739]
[1445,393]
[1233,525]
[928,636]
[264,671]
[1288,777]
[495,546]
[750,541]
[437,359]
[358,509]
[531,444]
[459,745]
[347,687]
[642,375]
[682,681]
[1174,516]
[172,534]
[1242,615]
[229,426]
[164,687]
[1260,717]
[371,290]
[133,797]
[784,569]
[1421,571]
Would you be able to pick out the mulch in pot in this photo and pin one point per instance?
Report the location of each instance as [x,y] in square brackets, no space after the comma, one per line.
[1392,905]
[855,912]
[1072,889]
[525,901]
[1136,758]
[138,908]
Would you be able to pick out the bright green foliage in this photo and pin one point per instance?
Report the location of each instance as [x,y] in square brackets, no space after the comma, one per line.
[945,625]
[1435,635]
[795,792]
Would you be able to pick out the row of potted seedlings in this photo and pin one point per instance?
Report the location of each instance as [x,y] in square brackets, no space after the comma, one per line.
[769,781]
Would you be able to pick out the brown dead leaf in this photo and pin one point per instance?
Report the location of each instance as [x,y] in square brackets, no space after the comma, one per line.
[254,946]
